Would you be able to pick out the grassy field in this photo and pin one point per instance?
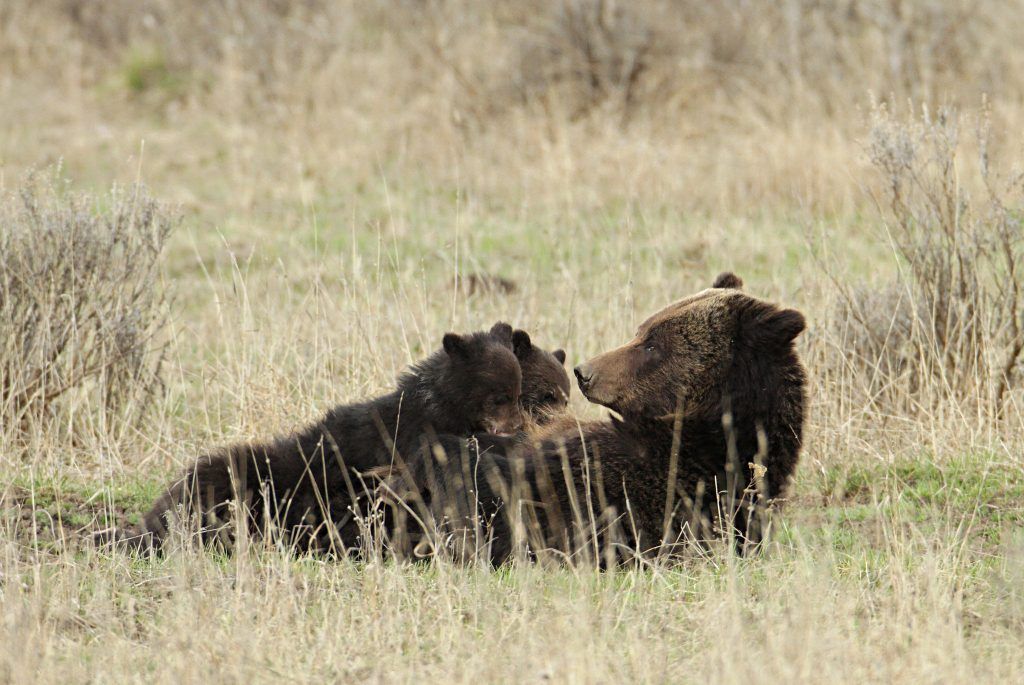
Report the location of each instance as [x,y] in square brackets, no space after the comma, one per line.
[336,165]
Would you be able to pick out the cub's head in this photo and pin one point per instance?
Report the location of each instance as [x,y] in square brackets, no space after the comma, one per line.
[483,381]
[545,382]
[688,355]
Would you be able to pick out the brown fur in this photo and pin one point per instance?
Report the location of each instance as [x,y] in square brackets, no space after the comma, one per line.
[546,385]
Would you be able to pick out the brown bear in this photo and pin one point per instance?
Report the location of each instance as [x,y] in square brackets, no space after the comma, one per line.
[710,400]
[546,385]
[309,485]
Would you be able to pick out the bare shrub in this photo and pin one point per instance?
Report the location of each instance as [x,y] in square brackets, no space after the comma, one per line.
[778,58]
[952,321]
[79,306]
[586,53]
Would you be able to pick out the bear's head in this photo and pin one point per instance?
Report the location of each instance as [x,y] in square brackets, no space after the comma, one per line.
[692,355]
[546,384]
[483,380]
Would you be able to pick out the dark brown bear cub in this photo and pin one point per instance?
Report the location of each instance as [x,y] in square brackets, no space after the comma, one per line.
[308,484]
[711,398]
[545,383]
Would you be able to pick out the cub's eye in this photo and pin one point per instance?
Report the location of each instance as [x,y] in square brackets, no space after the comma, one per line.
[550,397]
[650,347]
[502,400]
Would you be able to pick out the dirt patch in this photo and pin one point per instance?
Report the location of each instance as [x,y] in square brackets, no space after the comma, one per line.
[47,517]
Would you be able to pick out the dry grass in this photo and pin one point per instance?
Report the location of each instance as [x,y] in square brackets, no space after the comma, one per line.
[341,163]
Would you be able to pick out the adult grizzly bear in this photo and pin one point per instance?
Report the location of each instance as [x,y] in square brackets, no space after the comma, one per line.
[711,398]
[309,485]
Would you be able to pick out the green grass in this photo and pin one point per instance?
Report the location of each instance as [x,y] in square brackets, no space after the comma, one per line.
[63,509]
[145,69]
[979,490]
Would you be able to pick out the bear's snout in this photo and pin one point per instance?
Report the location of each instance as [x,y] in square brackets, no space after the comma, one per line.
[604,378]
[584,375]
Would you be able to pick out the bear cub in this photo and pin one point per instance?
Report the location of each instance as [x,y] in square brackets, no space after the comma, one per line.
[546,384]
[309,485]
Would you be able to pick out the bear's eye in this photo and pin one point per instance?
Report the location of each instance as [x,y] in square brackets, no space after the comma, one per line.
[550,397]
[650,347]
[502,400]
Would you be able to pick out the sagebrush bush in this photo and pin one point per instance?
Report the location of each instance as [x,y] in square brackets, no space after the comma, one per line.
[954,317]
[80,310]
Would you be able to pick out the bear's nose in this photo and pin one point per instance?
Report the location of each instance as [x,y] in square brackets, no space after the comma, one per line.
[584,374]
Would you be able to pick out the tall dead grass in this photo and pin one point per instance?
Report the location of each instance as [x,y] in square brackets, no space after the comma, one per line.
[573,103]
[905,608]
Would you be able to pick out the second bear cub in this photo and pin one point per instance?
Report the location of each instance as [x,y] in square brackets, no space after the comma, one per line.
[545,381]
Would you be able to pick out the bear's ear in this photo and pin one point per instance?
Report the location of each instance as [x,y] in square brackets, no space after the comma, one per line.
[559,355]
[521,343]
[763,324]
[503,332]
[727,279]
[455,345]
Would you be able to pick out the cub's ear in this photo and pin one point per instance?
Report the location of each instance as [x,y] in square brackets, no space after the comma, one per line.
[455,345]
[764,324]
[503,332]
[727,279]
[521,343]
[559,355]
